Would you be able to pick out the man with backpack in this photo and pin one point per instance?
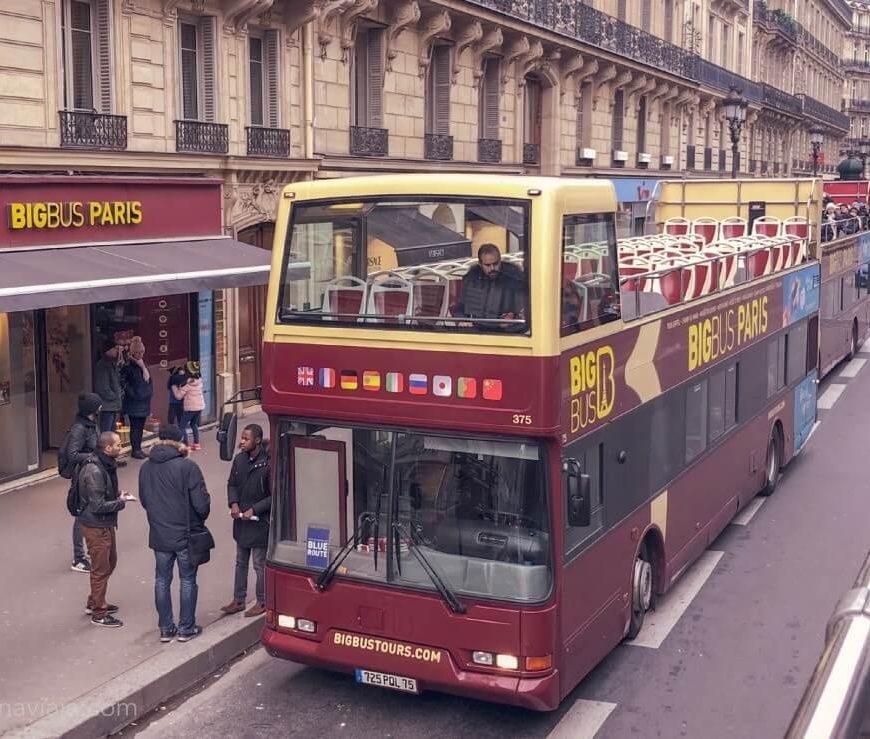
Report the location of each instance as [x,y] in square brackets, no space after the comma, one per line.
[78,445]
[99,501]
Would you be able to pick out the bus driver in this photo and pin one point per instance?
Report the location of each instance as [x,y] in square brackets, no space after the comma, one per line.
[493,288]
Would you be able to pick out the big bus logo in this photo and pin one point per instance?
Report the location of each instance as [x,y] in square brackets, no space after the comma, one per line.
[593,388]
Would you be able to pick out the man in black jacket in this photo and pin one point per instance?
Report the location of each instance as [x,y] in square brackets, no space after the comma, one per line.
[107,384]
[249,494]
[78,445]
[173,493]
[494,289]
[98,490]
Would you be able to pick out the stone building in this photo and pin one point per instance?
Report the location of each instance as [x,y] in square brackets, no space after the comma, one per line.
[856,61]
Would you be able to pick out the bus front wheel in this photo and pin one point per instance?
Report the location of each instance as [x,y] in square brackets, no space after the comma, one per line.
[772,464]
[853,345]
[641,592]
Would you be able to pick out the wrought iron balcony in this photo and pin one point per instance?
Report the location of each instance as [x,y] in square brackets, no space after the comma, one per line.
[856,65]
[776,21]
[268,142]
[531,153]
[202,137]
[437,147]
[809,41]
[824,113]
[489,150]
[773,97]
[862,105]
[80,129]
[369,142]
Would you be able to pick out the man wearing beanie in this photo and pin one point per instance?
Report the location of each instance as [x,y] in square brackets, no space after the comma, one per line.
[173,493]
[77,446]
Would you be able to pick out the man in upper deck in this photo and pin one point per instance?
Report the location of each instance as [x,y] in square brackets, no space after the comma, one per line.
[494,289]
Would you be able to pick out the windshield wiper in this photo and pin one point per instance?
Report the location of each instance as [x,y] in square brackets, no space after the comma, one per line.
[329,573]
[413,538]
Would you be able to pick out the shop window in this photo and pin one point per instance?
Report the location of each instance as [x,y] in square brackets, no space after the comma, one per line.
[18,415]
[263,78]
[87,55]
[437,107]
[490,92]
[696,419]
[368,78]
[197,62]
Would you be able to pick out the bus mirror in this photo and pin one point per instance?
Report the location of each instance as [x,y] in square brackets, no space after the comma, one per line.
[226,436]
[579,499]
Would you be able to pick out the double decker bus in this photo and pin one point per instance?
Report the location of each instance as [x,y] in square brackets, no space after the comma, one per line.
[484,474]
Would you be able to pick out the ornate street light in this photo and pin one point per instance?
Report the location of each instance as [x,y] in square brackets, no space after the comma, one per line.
[735,113]
[817,137]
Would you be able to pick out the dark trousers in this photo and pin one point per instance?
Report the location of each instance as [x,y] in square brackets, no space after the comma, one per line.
[104,558]
[137,428]
[78,543]
[175,415]
[240,588]
[191,418]
[164,564]
[108,419]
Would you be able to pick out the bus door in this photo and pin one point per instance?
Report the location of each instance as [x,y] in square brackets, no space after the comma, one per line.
[318,485]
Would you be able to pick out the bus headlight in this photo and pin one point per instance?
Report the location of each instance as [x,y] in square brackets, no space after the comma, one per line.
[507,662]
[483,658]
[303,624]
[286,622]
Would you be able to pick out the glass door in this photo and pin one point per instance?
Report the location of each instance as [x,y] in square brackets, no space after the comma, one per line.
[18,413]
[67,366]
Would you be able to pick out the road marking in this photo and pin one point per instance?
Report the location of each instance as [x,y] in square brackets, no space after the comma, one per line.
[830,396]
[673,605]
[853,368]
[745,516]
[583,720]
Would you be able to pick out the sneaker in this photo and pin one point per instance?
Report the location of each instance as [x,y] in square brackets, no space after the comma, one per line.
[110,608]
[81,566]
[139,455]
[168,636]
[234,606]
[258,609]
[109,621]
[197,630]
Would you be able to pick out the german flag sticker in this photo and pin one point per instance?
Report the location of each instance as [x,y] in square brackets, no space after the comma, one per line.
[349,380]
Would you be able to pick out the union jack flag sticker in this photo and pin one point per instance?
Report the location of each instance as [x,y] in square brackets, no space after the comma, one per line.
[305,376]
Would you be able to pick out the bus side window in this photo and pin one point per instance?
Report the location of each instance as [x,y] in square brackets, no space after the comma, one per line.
[590,464]
[696,419]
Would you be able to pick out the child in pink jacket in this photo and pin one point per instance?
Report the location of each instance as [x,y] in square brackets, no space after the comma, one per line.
[193,402]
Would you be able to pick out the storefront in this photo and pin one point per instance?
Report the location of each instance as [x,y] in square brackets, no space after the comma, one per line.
[85,261]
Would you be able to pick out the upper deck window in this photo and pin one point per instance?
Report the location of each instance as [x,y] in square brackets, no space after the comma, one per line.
[445,264]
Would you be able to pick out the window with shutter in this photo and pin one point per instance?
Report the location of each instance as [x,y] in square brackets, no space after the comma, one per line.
[621,9]
[646,14]
[375,77]
[490,91]
[104,53]
[665,143]
[438,92]
[77,25]
[255,66]
[360,77]
[641,124]
[584,115]
[669,21]
[617,121]
[272,56]
[209,62]
[189,71]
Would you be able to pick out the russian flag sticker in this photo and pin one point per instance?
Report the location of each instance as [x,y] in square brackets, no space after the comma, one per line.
[442,386]
[418,384]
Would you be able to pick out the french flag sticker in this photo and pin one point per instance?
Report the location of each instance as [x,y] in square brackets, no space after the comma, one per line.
[327,377]
[418,384]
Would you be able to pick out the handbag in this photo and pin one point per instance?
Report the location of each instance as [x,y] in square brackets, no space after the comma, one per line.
[199,543]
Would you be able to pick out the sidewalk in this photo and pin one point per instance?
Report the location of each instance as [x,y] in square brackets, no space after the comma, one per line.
[51,654]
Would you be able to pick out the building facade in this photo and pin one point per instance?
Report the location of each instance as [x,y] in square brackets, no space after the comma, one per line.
[259,93]
[857,64]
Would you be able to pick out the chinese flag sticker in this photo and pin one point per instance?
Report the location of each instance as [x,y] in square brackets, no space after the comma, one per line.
[492,389]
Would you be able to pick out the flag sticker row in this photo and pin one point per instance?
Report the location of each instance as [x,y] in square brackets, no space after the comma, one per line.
[441,386]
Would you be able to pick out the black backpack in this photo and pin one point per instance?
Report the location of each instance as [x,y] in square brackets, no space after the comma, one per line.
[74,502]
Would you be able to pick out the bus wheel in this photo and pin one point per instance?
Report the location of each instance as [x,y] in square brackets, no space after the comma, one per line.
[641,592]
[772,465]
[853,346]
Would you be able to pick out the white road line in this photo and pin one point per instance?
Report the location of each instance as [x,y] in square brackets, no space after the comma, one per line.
[853,368]
[671,607]
[583,720]
[812,431]
[830,396]
[745,516]
[865,347]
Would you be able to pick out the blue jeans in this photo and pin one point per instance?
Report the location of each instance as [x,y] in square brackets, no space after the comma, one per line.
[163,595]
[191,418]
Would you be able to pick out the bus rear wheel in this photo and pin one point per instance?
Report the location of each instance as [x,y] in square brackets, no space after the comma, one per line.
[641,592]
[772,464]
[853,346]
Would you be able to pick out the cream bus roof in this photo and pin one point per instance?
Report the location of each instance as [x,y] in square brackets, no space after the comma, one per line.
[577,195]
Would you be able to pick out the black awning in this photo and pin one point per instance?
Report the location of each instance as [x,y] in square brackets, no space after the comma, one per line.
[51,277]
[416,238]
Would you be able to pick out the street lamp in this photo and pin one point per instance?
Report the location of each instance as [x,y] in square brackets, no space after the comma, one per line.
[864,152]
[817,136]
[735,113]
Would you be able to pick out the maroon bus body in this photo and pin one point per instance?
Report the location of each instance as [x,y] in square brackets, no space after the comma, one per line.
[596,584]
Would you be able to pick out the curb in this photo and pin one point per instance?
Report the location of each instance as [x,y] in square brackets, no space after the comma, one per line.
[132,694]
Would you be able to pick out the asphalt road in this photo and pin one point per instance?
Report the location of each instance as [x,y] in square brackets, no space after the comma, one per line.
[729,653]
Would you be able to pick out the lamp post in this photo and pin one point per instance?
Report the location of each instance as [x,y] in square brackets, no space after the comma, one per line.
[817,136]
[863,152]
[735,113]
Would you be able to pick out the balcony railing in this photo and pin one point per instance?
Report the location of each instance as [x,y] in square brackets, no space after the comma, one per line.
[80,129]
[777,21]
[438,147]
[856,65]
[824,113]
[369,142]
[531,153]
[268,142]
[489,150]
[807,40]
[775,98]
[202,137]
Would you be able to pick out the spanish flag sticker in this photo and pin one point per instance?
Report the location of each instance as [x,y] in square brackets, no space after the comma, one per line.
[371,380]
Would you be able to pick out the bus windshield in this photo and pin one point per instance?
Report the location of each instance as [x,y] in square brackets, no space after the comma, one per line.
[475,508]
[455,264]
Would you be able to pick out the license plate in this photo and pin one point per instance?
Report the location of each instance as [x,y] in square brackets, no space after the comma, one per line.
[385,680]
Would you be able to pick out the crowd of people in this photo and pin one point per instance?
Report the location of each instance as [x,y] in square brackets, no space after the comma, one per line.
[843,219]
[171,490]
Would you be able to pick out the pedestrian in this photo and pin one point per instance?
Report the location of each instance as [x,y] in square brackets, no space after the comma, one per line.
[250,501]
[107,384]
[101,499]
[193,400]
[78,444]
[177,378]
[174,495]
[138,389]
